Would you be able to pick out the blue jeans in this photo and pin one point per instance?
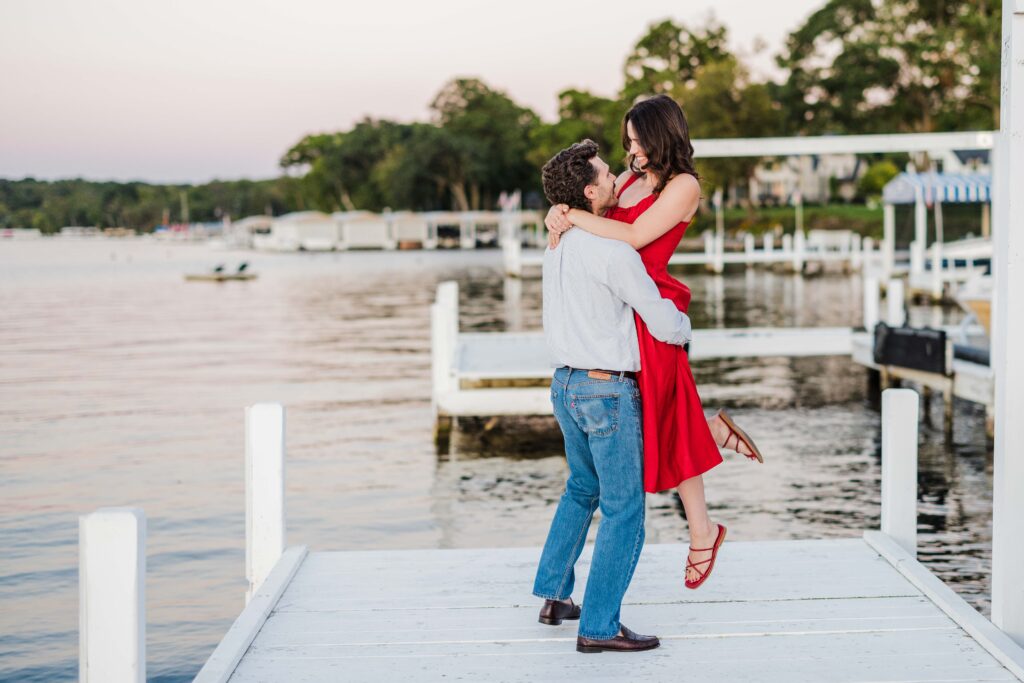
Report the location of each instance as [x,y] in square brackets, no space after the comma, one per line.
[600,421]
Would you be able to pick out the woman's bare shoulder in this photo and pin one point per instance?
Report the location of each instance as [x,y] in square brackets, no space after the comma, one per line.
[684,183]
[623,177]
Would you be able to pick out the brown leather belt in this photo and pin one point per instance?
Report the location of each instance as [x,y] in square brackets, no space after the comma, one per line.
[607,374]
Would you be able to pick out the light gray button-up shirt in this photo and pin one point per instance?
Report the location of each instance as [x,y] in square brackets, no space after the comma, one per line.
[592,285]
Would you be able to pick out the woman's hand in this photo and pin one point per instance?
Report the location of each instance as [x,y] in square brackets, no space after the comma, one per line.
[557,220]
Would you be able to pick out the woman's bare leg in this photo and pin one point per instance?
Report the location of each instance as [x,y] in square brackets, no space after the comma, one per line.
[703,531]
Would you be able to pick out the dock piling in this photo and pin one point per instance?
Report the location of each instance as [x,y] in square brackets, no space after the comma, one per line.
[112,596]
[264,491]
[871,303]
[895,303]
[900,415]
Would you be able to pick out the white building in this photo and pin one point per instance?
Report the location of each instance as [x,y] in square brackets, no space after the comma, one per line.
[299,231]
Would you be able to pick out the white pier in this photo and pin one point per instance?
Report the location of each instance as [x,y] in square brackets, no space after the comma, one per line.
[856,609]
[794,253]
[506,373]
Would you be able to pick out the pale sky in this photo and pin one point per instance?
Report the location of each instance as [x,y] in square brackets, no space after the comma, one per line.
[192,90]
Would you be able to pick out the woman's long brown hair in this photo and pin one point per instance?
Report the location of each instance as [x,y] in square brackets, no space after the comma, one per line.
[662,131]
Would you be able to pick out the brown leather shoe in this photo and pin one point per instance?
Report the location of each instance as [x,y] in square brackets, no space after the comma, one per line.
[554,611]
[626,641]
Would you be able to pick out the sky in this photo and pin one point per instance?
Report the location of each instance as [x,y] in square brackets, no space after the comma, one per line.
[193,90]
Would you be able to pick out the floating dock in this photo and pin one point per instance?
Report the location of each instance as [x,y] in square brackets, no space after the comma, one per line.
[855,609]
[858,609]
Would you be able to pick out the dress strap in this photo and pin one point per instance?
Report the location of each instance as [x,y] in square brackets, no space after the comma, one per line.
[632,179]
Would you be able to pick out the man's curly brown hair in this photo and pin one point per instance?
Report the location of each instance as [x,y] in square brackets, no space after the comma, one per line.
[567,173]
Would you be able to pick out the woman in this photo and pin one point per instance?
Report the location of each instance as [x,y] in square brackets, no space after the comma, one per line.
[658,197]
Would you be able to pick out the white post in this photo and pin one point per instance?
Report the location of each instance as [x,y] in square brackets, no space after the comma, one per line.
[920,226]
[899,467]
[936,273]
[798,199]
[748,248]
[895,313]
[264,491]
[719,233]
[709,249]
[888,240]
[855,254]
[1008,334]
[112,596]
[799,249]
[467,231]
[768,243]
[432,239]
[341,235]
[916,260]
[444,332]
[871,303]
[510,239]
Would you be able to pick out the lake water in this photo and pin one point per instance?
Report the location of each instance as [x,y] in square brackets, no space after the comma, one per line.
[122,384]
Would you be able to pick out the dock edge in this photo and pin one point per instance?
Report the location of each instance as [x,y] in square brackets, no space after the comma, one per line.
[221,664]
[984,632]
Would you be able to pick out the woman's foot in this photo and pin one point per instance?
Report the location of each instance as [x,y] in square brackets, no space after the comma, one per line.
[733,439]
[704,539]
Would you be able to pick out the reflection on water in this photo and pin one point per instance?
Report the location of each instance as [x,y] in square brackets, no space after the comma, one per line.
[121,384]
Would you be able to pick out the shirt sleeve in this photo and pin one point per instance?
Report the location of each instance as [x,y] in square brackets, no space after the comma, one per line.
[628,279]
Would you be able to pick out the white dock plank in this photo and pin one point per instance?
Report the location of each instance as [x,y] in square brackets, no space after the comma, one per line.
[777,570]
[937,655]
[827,610]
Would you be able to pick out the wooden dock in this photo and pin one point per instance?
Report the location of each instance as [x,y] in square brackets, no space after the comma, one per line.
[795,252]
[858,609]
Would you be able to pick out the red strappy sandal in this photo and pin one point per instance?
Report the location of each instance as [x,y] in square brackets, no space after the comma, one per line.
[740,436]
[714,553]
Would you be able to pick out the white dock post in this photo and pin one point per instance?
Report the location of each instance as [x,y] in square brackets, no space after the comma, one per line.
[856,255]
[888,240]
[787,245]
[900,413]
[871,303]
[511,244]
[1008,335]
[799,251]
[444,332]
[264,491]
[920,232]
[748,249]
[709,250]
[467,231]
[768,243]
[936,272]
[895,309]
[719,264]
[112,596]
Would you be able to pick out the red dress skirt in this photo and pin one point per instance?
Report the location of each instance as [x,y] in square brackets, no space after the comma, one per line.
[677,442]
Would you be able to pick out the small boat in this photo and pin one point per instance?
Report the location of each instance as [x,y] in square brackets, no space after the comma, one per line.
[219,275]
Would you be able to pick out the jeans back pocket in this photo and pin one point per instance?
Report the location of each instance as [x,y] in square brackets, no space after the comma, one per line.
[597,415]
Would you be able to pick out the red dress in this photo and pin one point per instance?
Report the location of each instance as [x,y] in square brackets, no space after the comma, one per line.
[677,442]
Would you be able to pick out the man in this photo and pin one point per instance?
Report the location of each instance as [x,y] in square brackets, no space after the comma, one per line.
[591,287]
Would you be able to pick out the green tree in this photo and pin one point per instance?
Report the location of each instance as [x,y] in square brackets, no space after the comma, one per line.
[669,56]
[724,103]
[580,115]
[493,136]
[862,66]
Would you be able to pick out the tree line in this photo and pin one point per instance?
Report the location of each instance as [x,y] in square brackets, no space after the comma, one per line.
[854,66]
